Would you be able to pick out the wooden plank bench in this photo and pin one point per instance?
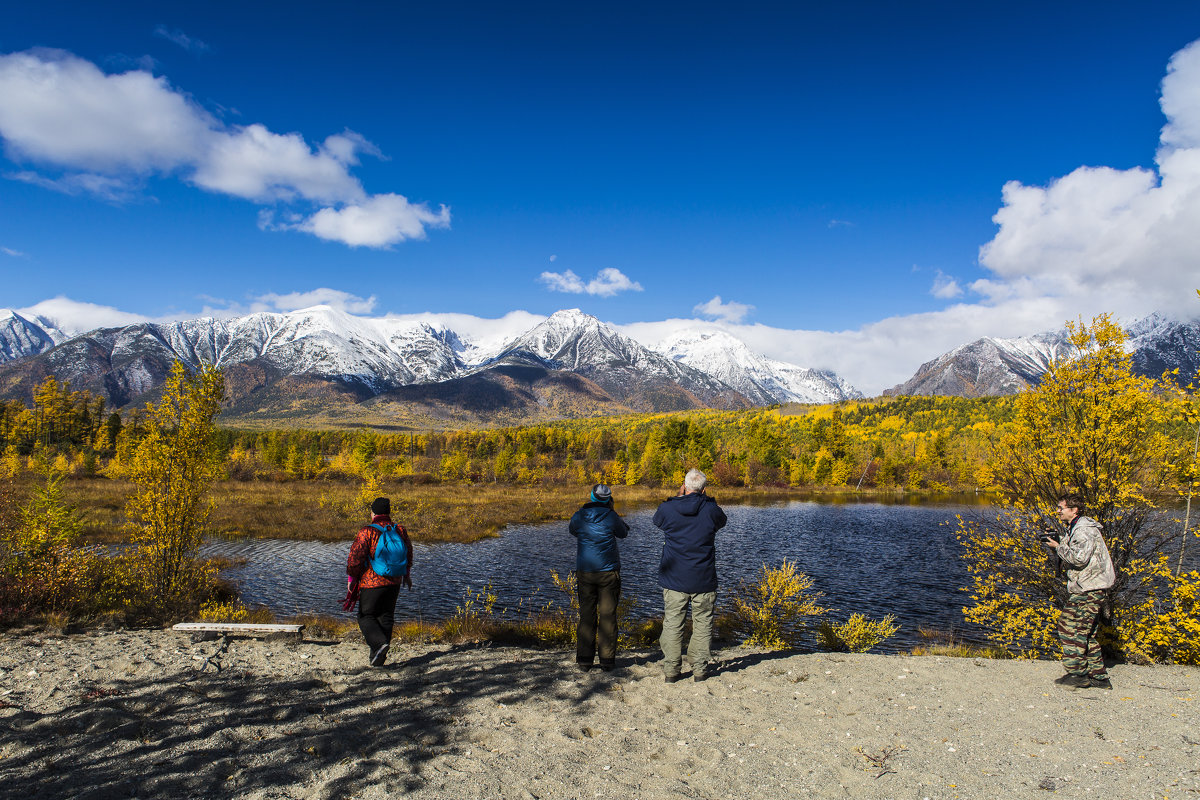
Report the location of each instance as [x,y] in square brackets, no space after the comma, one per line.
[212,629]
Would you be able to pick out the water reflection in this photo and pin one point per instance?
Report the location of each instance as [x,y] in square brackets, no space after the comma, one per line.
[868,557]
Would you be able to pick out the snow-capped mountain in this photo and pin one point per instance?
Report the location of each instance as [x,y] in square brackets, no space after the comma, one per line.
[577,342]
[21,337]
[988,366]
[1004,366]
[764,380]
[1160,344]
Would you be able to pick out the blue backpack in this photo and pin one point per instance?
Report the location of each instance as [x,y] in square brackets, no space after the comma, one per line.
[391,556]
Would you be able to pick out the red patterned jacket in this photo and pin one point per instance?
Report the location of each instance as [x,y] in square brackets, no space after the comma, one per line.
[358,565]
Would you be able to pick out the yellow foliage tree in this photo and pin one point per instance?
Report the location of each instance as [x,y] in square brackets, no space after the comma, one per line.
[173,467]
[1094,427]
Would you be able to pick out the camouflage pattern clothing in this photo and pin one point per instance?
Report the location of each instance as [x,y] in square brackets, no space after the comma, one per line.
[1077,626]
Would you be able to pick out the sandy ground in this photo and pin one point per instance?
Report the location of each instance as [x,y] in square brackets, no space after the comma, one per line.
[153,714]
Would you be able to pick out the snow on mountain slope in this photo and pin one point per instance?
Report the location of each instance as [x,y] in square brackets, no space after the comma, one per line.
[764,380]
[578,342]
[20,337]
[988,366]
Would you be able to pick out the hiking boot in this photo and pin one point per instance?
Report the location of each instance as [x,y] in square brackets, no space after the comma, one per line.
[672,678]
[583,667]
[1074,681]
[608,666]
[1100,683]
[379,656]
[699,675]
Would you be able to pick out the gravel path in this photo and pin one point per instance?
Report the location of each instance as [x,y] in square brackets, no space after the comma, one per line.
[151,714]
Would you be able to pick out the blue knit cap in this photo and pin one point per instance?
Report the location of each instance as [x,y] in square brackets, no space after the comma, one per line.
[601,493]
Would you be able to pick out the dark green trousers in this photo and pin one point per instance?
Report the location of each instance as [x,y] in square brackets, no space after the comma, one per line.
[1077,625]
[599,593]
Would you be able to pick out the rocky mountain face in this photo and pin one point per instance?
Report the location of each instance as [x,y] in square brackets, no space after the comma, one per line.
[1005,366]
[291,365]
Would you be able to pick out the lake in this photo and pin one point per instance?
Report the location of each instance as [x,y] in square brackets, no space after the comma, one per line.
[867,557]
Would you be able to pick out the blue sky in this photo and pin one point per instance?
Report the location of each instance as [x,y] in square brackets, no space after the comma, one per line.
[829,171]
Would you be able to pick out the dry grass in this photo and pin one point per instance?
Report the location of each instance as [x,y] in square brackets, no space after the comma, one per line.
[431,512]
[946,643]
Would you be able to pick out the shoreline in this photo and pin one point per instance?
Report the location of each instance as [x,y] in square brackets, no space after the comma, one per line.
[151,713]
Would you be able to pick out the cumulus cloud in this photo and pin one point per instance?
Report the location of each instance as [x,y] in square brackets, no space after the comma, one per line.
[608,282]
[191,44]
[726,312]
[945,287]
[106,133]
[1110,239]
[375,222]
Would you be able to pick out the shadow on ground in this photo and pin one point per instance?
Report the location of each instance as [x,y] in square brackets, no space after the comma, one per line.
[207,733]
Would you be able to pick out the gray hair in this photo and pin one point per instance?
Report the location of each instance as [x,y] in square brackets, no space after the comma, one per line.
[694,481]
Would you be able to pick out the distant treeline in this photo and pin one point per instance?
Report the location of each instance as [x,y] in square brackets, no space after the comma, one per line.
[913,443]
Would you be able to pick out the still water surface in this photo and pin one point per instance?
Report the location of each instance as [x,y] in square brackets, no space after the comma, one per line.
[866,557]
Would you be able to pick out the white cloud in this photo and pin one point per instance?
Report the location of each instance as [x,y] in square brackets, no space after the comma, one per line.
[378,221]
[254,163]
[114,190]
[8,251]
[608,282]
[73,317]
[61,110]
[726,312]
[192,45]
[1109,239]
[945,287]
[108,132]
[343,301]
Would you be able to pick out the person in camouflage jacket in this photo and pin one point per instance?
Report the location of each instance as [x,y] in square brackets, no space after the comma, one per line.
[1090,574]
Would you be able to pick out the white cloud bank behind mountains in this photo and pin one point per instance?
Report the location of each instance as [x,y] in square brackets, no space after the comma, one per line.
[91,132]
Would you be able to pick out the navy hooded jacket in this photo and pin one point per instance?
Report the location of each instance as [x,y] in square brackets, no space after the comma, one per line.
[596,528]
[689,558]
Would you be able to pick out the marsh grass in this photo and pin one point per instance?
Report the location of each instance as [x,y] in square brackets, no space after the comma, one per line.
[323,510]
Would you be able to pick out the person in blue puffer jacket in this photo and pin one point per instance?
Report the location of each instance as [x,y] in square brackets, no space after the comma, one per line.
[596,528]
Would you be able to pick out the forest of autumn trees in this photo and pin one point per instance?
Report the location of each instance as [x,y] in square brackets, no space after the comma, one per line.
[911,443]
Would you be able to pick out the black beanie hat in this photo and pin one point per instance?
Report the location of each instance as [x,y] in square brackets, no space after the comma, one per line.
[381,506]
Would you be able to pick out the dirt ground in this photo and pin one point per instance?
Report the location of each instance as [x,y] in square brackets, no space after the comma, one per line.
[152,714]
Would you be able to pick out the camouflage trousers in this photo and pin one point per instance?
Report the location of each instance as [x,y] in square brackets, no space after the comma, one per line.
[1077,626]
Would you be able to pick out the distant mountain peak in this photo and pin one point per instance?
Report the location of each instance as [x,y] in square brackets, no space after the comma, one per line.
[764,380]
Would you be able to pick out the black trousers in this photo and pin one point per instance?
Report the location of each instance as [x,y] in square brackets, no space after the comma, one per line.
[599,593]
[376,614]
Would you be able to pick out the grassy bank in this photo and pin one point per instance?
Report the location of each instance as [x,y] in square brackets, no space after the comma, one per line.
[327,510]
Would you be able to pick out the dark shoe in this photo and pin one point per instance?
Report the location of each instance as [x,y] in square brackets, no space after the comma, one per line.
[379,656]
[672,678]
[1100,683]
[699,675]
[1074,681]
[608,666]
[582,667]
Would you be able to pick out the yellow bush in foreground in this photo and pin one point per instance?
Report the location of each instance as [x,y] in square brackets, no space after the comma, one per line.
[775,611]
[857,634]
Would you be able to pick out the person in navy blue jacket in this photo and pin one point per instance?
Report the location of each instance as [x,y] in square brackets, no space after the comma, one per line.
[596,528]
[688,573]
